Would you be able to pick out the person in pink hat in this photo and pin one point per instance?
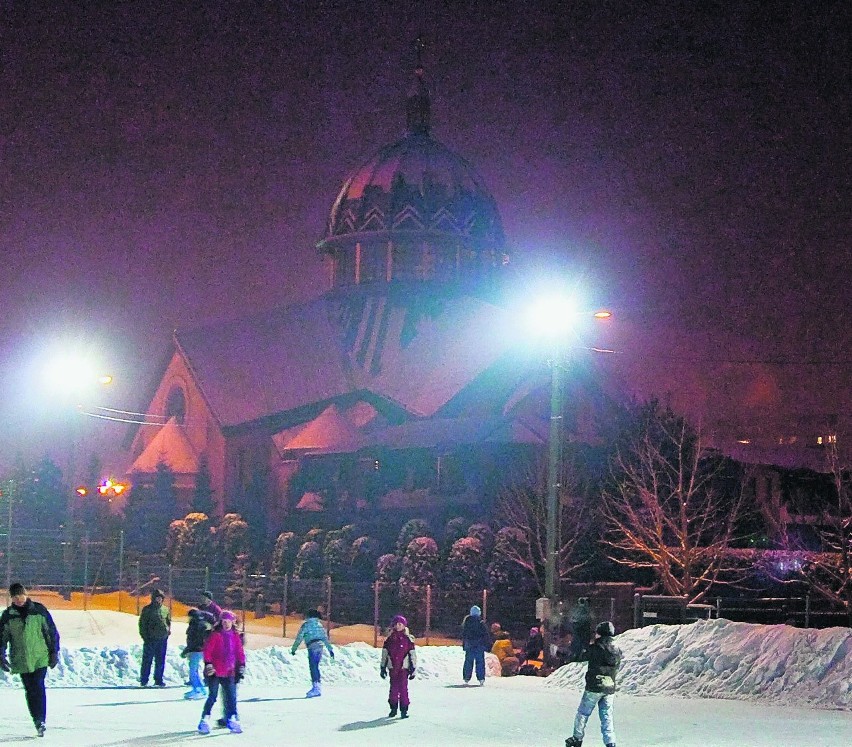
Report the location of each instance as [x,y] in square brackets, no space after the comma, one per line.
[224,665]
[399,661]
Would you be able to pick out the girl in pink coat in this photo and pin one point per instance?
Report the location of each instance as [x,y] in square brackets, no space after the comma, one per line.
[224,664]
[399,660]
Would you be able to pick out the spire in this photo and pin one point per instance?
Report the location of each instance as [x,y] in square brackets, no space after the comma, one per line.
[417,105]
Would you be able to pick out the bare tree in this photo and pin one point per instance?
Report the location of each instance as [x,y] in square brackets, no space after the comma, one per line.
[522,506]
[666,509]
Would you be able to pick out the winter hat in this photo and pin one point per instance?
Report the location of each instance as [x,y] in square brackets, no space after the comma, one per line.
[475,611]
[533,631]
[157,593]
[228,615]
[207,595]
[314,613]
[16,590]
[605,628]
[399,619]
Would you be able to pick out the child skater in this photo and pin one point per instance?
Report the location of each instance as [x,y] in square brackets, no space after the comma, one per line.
[604,661]
[200,625]
[314,636]
[224,665]
[399,660]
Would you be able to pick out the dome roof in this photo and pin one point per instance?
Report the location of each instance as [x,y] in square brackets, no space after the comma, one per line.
[416,184]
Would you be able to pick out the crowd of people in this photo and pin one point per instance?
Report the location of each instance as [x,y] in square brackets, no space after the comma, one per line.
[216,657]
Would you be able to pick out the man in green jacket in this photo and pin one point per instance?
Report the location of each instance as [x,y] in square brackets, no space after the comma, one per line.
[155,626]
[28,631]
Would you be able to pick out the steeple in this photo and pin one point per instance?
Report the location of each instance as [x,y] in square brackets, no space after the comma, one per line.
[417,104]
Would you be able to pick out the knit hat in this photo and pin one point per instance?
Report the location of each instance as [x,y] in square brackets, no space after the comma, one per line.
[605,628]
[157,593]
[314,613]
[399,619]
[533,631]
[228,615]
[475,611]
[207,595]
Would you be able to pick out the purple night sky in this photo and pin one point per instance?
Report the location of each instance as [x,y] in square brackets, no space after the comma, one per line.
[168,164]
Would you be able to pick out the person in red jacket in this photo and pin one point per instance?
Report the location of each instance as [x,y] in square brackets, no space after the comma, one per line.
[399,660]
[224,665]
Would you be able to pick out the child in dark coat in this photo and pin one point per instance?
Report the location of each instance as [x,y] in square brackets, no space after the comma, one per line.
[604,662]
[200,625]
[399,660]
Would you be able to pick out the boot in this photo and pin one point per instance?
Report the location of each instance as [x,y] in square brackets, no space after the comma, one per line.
[403,711]
[392,710]
[314,692]
[573,742]
[40,728]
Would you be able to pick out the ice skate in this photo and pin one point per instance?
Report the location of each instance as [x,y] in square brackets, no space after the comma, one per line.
[481,683]
[40,728]
[234,725]
[573,742]
[314,692]
[221,722]
[392,711]
[403,711]
[204,725]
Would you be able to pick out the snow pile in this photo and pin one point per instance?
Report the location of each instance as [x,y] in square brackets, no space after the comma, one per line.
[724,659]
[102,649]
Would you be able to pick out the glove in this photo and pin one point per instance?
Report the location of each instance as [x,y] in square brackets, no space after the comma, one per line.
[411,673]
[292,652]
[331,654]
[183,654]
[4,664]
[239,673]
[52,659]
[209,671]
[383,673]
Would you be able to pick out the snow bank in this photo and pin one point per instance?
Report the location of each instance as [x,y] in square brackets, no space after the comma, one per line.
[708,659]
[724,659]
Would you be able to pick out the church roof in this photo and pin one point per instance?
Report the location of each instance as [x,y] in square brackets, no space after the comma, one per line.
[171,446]
[415,351]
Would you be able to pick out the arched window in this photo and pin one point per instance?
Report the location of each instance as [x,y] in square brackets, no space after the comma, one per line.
[176,405]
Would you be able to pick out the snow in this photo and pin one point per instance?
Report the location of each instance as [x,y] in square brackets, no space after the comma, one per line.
[710,683]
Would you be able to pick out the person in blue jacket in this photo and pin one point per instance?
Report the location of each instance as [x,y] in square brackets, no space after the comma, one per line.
[315,638]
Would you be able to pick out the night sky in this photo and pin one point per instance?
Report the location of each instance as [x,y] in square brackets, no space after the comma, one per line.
[169,164]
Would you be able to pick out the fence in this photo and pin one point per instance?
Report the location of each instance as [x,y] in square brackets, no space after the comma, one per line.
[87,574]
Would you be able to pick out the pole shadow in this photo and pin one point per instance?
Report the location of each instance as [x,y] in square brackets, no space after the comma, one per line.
[376,722]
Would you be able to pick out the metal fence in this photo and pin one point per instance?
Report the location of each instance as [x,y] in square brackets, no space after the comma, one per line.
[103,575]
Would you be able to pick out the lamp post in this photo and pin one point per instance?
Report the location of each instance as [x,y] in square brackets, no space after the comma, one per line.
[554,317]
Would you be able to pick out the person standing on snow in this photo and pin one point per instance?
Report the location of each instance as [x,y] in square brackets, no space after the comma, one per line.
[155,627]
[399,659]
[28,631]
[197,631]
[604,661]
[224,665]
[475,642]
[315,638]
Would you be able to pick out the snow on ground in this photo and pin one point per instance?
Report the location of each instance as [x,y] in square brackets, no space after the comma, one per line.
[93,698]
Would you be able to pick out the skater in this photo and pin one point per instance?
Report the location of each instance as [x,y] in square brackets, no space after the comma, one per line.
[224,665]
[27,629]
[399,659]
[200,625]
[604,661]
[314,636]
[155,627]
[475,642]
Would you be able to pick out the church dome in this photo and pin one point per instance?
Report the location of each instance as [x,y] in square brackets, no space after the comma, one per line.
[414,211]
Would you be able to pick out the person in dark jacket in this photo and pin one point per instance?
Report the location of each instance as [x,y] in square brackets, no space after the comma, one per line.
[581,630]
[155,626]
[475,642]
[28,631]
[604,662]
[206,604]
[199,627]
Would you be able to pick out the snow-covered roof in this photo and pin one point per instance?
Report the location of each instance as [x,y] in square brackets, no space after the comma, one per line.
[414,351]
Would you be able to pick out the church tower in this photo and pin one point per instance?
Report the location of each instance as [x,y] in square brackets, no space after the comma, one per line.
[415,213]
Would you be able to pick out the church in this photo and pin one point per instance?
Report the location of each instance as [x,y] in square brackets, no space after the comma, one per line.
[404,387]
